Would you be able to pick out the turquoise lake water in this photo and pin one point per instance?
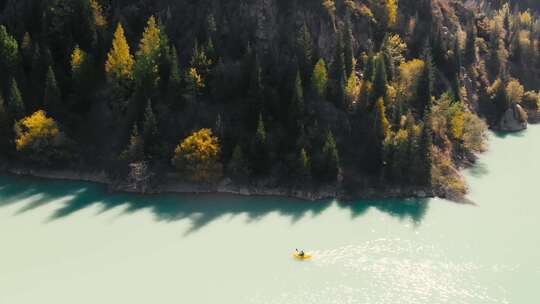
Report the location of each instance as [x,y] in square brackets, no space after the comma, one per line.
[71,242]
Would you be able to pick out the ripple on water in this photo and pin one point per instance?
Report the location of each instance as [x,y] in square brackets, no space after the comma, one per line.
[392,271]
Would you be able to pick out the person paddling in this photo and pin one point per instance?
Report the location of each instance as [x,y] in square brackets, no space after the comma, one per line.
[301,253]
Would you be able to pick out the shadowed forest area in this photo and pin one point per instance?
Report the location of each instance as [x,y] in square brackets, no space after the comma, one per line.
[349,93]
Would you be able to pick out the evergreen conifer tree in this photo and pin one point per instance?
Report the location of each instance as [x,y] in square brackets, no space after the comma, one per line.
[426,161]
[52,99]
[330,161]
[348,52]
[16,105]
[135,149]
[150,132]
[380,80]
[259,149]
[424,90]
[319,79]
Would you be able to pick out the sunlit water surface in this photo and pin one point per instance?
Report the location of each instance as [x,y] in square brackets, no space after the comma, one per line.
[71,242]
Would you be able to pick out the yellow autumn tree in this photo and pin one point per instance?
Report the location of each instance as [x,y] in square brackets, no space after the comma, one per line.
[409,73]
[195,82]
[151,39]
[392,11]
[146,68]
[78,58]
[40,138]
[198,156]
[99,18]
[352,90]
[120,62]
[515,91]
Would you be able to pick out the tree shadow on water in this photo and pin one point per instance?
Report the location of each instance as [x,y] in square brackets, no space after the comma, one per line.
[479,169]
[404,209]
[505,134]
[199,210]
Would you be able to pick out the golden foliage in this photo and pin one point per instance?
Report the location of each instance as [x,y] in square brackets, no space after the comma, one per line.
[198,156]
[195,80]
[457,123]
[397,48]
[495,86]
[37,127]
[119,60]
[409,73]
[445,175]
[99,18]
[352,90]
[453,124]
[474,132]
[319,78]
[514,91]
[381,112]
[359,9]
[151,39]
[392,11]
[526,19]
[77,59]
[330,6]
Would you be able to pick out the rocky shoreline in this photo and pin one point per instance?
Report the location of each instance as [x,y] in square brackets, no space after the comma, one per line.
[225,187]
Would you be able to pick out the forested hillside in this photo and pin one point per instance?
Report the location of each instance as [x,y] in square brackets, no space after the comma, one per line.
[351,93]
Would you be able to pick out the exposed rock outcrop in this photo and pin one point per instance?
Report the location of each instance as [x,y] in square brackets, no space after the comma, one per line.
[514,119]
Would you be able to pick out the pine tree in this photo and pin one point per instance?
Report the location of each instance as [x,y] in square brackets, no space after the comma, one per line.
[304,166]
[260,156]
[52,99]
[380,81]
[381,127]
[338,76]
[370,66]
[150,132]
[411,147]
[5,124]
[16,105]
[119,65]
[501,100]
[41,60]
[296,107]
[338,65]
[424,90]
[9,54]
[319,79]
[387,57]
[426,161]
[456,70]
[78,61]
[151,39]
[26,49]
[391,12]
[147,57]
[237,167]
[174,88]
[200,60]
[219,128]
[255,96]
[348,49]
[84,28]
[470,47]
[305,53]
[135,149]
[330,159]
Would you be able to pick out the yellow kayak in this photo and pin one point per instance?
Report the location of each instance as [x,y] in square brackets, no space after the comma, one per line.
[306,256]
